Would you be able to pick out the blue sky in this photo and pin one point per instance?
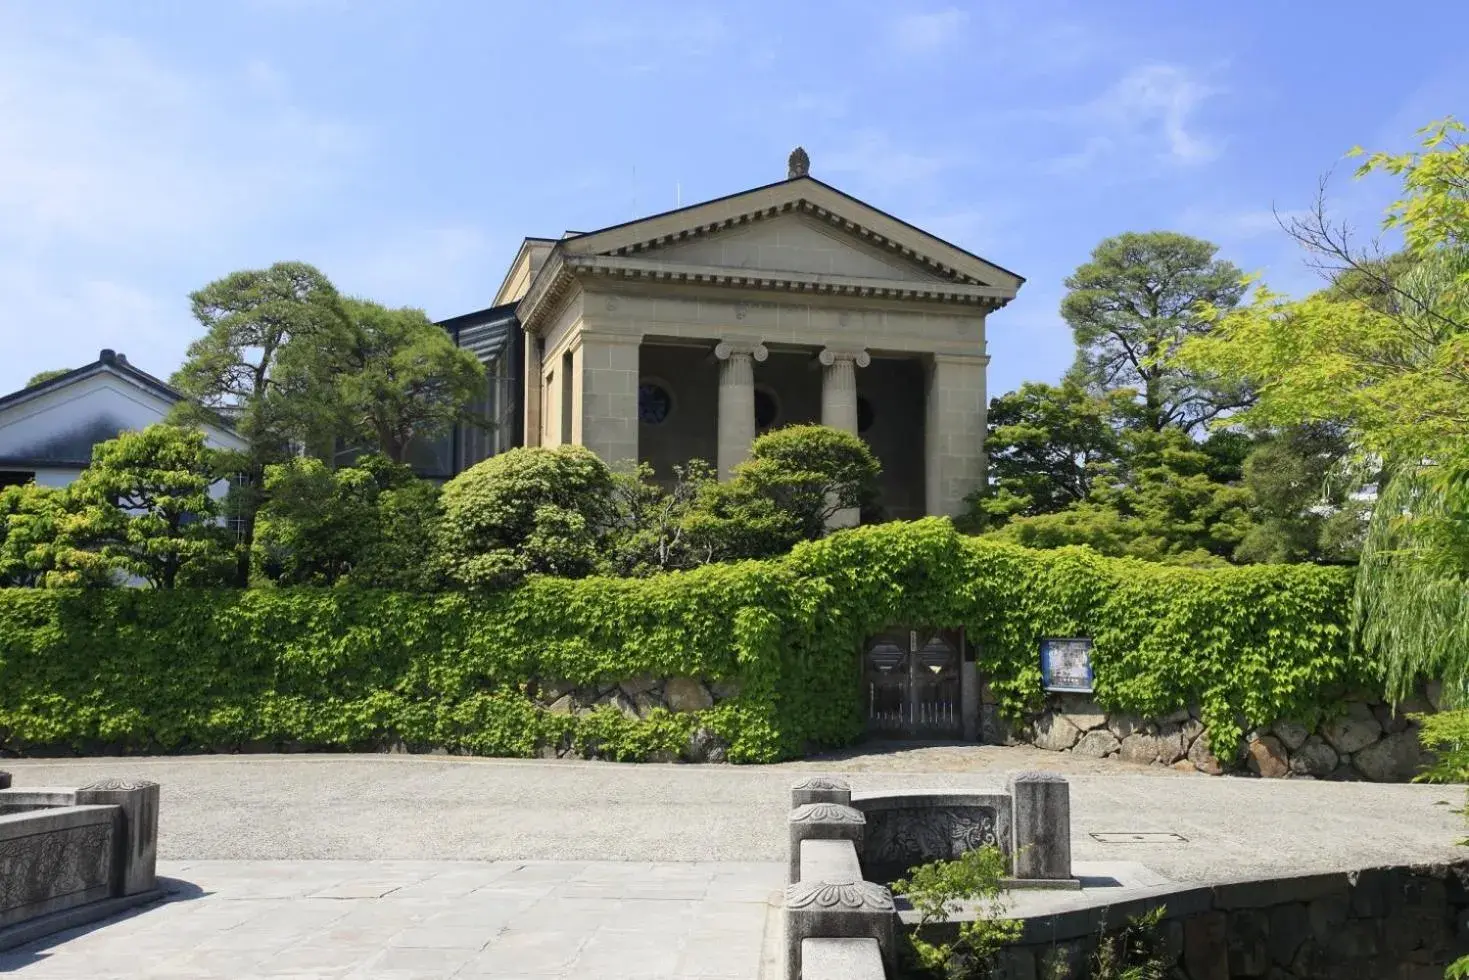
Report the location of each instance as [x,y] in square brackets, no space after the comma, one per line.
[147,148]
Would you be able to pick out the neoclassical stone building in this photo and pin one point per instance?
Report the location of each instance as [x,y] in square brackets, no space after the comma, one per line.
[684,334]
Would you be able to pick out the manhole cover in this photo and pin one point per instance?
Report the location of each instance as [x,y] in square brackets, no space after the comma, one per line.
[1147,837]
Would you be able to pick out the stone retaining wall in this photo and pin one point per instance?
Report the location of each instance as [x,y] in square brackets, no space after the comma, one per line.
[1406,923]
[636,699]
[1367,740]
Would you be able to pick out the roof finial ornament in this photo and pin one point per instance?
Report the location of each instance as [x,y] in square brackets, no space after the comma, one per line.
[799,164]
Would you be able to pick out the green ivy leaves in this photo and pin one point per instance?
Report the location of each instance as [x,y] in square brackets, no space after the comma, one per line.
[349,668]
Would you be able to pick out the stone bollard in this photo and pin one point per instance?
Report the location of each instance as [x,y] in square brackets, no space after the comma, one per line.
[135,855]
[1041,824]
[839,910]
[821,789]
[4,779]
[822,821]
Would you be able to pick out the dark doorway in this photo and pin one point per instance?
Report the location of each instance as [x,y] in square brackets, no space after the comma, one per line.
[910,681]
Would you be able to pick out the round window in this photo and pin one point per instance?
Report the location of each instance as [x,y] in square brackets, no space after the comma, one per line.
[864,414]
[767,409]
[654,403]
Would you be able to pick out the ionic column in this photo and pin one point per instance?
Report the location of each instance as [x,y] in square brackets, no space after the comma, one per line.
[839,405]
[736,400]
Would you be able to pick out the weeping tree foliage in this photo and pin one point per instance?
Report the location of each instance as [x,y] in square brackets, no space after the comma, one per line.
[1387,358]
[1412,594]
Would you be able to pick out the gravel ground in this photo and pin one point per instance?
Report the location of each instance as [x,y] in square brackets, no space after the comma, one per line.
[386,807]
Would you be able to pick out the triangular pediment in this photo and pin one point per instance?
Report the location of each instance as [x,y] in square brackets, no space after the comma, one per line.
[799,226]
[791,242]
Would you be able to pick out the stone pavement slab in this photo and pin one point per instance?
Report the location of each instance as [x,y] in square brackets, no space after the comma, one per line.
[365,807]
[392,919]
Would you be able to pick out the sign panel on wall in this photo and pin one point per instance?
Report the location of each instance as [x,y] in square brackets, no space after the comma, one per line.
[1066,664]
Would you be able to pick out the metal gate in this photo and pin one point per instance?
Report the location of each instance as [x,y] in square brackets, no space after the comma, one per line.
[911,682]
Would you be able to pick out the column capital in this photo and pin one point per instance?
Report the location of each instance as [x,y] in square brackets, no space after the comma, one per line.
[726,349]
[857,355]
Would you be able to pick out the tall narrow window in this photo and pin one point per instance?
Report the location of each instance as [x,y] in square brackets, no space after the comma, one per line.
[568,393]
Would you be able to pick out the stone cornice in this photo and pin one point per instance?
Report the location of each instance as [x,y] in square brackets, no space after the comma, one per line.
[653,270]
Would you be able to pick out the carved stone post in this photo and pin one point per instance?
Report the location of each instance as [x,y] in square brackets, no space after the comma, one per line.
[736,400]
[135,856]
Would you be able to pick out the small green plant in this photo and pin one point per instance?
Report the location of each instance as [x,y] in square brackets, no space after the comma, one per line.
[942,889]
[1134,952]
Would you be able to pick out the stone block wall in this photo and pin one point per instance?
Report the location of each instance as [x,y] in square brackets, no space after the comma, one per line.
[636,699]
[1365,740]
[1407,923]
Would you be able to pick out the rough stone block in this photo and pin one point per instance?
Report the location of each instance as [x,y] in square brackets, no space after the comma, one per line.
[1055,733]
[1206,947]
[821,789]
[686,694]
[1328,915]
[1267,757]
[1289,927]
[838,910]
[1249,954]
[1395,759]
[1122,726]
[1292,734]
[1015,963]
[1354,730]
[135,851]
[1141,748]
[822,821]
[1173,741]
[1203,757]
[1314,758]
[1097,744]
[1041,825]
[841,959]
[1082,712]
[1391,721]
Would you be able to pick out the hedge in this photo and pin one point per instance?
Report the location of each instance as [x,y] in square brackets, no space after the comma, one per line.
[153,670]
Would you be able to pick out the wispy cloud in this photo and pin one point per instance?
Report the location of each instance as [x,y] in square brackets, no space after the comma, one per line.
[118,172]
[924,33]
[1148,115]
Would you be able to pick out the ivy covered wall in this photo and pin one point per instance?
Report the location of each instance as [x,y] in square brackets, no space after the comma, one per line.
[561,666]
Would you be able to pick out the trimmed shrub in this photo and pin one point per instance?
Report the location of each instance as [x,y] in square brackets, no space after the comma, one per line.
[529,510]
[163,670]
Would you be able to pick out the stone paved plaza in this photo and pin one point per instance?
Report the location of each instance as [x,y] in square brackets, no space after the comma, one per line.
[506,919]
[431,866]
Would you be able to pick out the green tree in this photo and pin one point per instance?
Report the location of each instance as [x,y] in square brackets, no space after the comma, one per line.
[258,364]
[43,376]
[32,520]
[529,510]
[371,524]
[1130,308]
[651,533]
[399,379]
[1159,504]
[1388,358]
[1046,444]
[144,507]
[794,482]
[1303,510]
